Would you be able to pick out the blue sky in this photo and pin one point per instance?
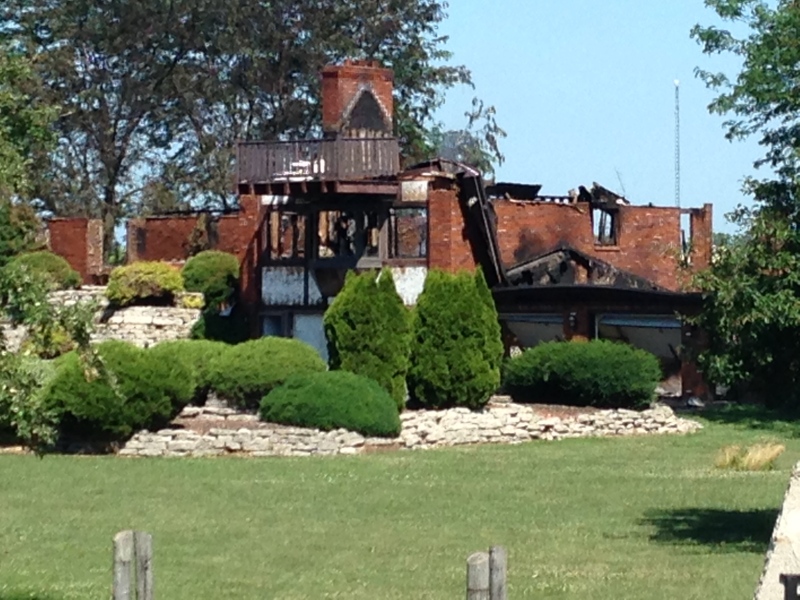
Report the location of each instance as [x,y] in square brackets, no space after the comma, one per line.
[585,90]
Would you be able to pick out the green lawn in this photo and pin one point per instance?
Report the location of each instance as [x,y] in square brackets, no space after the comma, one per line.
[608,518]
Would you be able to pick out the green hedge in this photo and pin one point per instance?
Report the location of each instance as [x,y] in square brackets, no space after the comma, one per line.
[457,347]
[597,373]
[244,373]
[214,273]
[138,391]
[197,356]
[231,329]
[144,282]
[369,331]
[55,267]
[333,400]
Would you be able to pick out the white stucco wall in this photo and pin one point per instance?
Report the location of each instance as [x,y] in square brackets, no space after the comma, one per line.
[309,329]
[285,286]
[409,282]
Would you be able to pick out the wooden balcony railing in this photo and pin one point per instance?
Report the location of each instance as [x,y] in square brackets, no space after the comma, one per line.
[345,159]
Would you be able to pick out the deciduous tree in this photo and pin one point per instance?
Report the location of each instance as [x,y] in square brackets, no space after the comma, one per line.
[155,93]
[752,308]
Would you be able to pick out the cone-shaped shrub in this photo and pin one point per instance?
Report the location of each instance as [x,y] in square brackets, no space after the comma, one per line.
[456,349]
[368,330]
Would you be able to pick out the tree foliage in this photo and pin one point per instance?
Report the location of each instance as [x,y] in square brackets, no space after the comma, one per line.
[752,300]
[24,123]
[154,94]
[19,229]
[24,131]
[477,145]
[24,302]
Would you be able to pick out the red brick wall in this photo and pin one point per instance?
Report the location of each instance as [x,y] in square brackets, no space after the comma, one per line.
[159,238]
[340,84]
[80,241]
[448,244]
[68,239]
[167,237]
[649,244]
[702,237]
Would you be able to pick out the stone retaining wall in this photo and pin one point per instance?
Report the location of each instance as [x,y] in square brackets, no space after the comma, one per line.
[783,554]
[211,431]
[140,325]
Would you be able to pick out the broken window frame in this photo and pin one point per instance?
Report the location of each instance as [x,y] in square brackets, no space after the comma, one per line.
[277,223]
[390,252]
[362,237]
[606,236]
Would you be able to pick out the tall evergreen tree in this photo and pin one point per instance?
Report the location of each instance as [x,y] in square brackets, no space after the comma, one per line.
[456,350]
[368,331]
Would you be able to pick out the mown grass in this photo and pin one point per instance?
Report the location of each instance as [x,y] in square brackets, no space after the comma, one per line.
[607,518]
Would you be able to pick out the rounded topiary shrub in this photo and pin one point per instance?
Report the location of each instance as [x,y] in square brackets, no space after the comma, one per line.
[214,273]
[457,348]
[136,390]
[144,283]
[368,331]
[596,373]
[333,400]
[55,267]
[197,355]
[244,373]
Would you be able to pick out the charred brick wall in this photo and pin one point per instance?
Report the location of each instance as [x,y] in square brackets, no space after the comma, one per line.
[648,239]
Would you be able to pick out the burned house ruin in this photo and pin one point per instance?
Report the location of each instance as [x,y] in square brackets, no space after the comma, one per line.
[588,264]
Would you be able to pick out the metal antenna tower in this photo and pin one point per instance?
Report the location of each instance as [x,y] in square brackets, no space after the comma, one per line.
[677,143]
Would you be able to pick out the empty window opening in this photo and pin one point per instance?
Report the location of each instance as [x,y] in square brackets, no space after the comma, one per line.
[287,236]
[604,227]
[344,233]
[686,238]
[275,325]
[408,233]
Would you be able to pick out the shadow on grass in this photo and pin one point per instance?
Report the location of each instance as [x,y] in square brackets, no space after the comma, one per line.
[755,416]
[717,529]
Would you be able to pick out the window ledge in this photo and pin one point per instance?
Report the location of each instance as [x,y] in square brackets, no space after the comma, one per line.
[602,248]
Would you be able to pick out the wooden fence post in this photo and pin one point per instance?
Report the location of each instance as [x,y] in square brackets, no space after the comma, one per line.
[133,566]
[477,577]
[498,568]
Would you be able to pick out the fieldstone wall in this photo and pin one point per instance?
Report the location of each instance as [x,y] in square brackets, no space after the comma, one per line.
[213,431]
[140,325]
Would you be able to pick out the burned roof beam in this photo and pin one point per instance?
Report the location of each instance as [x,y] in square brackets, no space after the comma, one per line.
[516,191]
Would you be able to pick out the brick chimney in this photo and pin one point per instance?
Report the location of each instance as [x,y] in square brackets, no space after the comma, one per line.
[357,99]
